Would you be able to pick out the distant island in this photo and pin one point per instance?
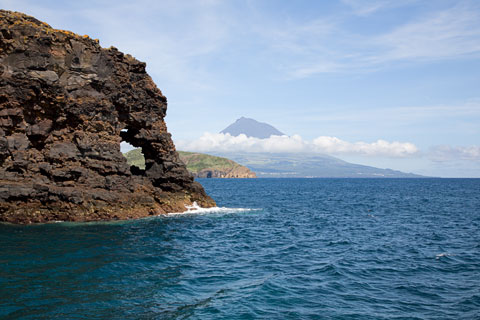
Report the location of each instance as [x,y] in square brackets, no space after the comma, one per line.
[297,165]
[199,165]
[289,165]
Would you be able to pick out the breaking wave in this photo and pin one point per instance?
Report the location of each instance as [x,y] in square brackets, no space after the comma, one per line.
[196,209]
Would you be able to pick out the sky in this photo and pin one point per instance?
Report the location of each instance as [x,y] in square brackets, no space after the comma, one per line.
[388,83]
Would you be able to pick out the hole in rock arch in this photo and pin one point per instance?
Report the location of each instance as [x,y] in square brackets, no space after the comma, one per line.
[132,151]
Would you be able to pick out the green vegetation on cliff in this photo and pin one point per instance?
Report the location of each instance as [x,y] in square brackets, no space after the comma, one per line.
[197,162]
[135,158]
[200,165]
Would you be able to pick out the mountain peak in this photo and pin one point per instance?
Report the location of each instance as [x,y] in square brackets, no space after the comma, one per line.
[251,128]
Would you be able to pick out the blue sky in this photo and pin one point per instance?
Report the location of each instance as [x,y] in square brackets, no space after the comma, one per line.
[336,76]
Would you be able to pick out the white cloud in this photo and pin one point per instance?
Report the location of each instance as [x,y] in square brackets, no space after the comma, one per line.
[180,40]
[220,142]
[398,115]
[446,153]
[379,148]
[326,45]
[367,7]
[445,34]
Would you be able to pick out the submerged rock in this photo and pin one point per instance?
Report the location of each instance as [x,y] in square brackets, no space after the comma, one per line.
[65,105]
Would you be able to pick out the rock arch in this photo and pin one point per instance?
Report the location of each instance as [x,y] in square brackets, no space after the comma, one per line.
[64,102]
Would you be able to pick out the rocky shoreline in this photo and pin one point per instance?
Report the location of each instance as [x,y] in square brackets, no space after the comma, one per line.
[66,103]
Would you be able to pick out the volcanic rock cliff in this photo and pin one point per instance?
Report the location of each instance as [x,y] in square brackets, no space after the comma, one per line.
[65,105]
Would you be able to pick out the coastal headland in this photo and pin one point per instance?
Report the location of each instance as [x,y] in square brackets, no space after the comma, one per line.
[200,165]
[66,104]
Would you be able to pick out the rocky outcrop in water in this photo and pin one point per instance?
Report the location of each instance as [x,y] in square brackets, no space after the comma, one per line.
[237,173]
[65,105]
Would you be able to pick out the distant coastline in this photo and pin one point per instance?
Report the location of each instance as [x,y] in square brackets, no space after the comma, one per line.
[199,165]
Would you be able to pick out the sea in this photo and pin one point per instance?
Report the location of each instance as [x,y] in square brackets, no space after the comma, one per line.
[272,249]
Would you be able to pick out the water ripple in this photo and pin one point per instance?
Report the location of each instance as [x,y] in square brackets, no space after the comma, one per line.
[274,249]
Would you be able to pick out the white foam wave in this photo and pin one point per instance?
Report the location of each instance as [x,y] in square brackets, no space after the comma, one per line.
[196,209]
[443,254]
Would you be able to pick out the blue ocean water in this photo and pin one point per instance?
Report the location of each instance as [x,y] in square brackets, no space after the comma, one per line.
[293,249]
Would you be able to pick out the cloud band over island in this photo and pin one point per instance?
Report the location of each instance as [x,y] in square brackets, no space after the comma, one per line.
[296,144]
[219,142]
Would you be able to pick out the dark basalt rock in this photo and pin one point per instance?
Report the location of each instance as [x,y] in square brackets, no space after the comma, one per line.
[65,105]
